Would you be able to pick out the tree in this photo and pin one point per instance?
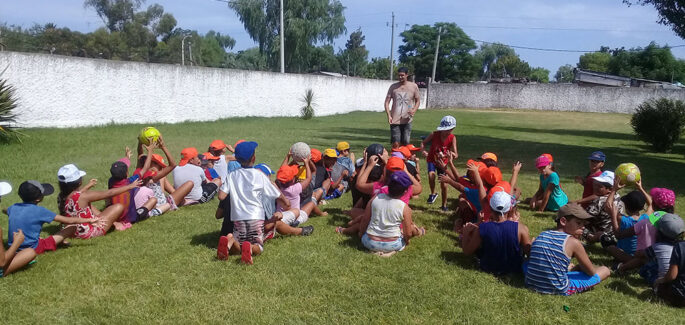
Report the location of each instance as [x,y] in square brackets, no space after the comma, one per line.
[455,63]
[250,59]
[378,69]
[652,62]
[323,59]
[306,23]
[510,66]
[595,61]
[564,74]
[671,13]
[487,56]
[115,13]
[354,58]
[540,75]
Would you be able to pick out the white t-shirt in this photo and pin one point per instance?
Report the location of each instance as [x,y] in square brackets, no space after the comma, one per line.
[221,167]
[248,190]
[386,217]
[190,172]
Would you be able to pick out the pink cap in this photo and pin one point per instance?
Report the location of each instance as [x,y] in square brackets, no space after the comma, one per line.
[541,161]
[662,197]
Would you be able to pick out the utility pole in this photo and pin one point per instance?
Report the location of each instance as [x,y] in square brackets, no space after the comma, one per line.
[183,50]
[392,42]
[190,49]
[435,59]
[282,42]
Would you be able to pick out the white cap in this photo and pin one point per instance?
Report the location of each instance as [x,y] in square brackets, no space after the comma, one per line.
[447,123]
[5,188]
[69,173]
[500,202]
[606,176]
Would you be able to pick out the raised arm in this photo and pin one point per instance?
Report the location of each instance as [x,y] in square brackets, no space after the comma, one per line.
[308,168]
[613,211]
[172,163]
[92,196]
[71,221]
[148,159]
[362,185]
[648,198]
[514,176]
[482,194]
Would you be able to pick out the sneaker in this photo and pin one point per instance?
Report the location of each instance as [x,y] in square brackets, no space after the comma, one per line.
[308,230]
[246,253]
[222,249]
[444,209]
[432,198]
[155,212]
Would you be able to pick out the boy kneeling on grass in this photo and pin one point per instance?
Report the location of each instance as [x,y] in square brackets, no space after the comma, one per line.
[549,269]
[247,189]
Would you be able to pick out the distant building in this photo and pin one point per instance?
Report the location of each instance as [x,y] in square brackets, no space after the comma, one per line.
[593,78]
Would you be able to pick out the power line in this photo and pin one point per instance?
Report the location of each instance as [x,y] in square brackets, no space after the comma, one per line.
[555,50]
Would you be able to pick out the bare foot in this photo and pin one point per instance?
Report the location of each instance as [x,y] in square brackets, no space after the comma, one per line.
[119,226]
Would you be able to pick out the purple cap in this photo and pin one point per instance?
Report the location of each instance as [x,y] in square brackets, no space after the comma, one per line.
[401,178]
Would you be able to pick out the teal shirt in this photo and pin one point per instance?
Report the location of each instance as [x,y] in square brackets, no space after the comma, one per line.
[558,198]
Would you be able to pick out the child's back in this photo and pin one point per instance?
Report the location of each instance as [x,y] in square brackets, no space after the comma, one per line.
[29,218]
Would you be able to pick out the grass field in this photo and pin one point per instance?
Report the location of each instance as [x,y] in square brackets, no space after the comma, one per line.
[164,270]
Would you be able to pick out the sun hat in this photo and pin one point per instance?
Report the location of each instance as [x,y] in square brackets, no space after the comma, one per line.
[489,155]
[500,202]
[670,225]
[30,191]
[606,176]
[245,150]
[186,155]
[447,123]
[573,209]
[316,155]
[287,172]
[69,173]
[265,169]
[217,145]
[542,161]
[662,197]
[330,153]
[5,188]
[598,156]
[395,164]
[342,145]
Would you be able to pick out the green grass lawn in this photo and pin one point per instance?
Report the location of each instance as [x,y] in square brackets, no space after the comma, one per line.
[164,270]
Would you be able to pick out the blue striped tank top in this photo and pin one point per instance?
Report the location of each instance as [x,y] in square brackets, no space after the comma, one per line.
[547,270]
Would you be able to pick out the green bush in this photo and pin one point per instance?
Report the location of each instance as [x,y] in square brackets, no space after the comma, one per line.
[659,122]
[307,111]
[8,102]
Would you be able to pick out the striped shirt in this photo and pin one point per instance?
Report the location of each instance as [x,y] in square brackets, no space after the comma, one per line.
[548,265]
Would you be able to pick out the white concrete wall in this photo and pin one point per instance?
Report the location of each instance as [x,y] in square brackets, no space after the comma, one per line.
[61,91]
[556,97]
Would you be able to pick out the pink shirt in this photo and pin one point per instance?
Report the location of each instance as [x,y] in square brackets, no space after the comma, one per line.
[646,234]
[379,188]
[292,193]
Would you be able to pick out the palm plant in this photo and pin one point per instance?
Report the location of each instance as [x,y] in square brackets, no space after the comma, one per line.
[8,102]
[307,111]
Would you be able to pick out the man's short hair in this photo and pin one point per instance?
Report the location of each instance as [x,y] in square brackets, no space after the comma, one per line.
[403,69]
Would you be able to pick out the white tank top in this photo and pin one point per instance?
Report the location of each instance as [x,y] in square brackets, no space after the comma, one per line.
[386,217]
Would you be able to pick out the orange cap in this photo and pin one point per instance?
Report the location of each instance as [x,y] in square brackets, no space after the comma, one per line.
[501,186]
[549,156]
[481,165]
[209,156]
[412,148]
[287,173]
[404,150]
[395,164]
[187,154]
[217,145]
[489,155]
[316,155]
[158,160]
[238,142]
[492,175]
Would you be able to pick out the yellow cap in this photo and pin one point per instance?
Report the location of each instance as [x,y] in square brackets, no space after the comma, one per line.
[342,145]
[330,152]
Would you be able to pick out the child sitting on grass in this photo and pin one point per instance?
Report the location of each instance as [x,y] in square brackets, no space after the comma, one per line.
[133,211]
[500,244]
[342,171]
[159,184]
[598,208]
[10,259]
[207,161]
[217,149]
[550,196]
[671,286]
[29,218]
[443,147]
[76,203]
[189,169]
[549,269]
[596,160]
[382,232]
[291,187]
[670,228]
[623,225]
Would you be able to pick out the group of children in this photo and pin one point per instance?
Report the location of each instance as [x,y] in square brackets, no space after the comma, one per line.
[255,208]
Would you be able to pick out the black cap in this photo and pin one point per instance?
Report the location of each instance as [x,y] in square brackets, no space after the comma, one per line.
[30,191]
[119,170]
[374,149]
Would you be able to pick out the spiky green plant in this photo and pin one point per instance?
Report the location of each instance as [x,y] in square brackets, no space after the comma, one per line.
[307,111]
[8,123]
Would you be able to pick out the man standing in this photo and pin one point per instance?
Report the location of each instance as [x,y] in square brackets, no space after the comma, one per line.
[405,98]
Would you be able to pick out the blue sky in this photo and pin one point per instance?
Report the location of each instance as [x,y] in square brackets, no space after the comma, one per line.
[572,25]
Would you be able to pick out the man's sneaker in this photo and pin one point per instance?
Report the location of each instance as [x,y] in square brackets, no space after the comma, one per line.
[222,249]
[307,230]
[432,198]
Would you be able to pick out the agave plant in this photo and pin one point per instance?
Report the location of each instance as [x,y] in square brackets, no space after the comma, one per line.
[8,102]
[307,111]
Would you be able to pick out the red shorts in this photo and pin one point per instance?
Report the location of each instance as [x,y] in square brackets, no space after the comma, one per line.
[46,244]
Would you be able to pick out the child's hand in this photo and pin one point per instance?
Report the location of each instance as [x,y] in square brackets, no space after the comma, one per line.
[18,236]
[372,160]
[517,166]
[638,184]
[469,227]
[94,220]
[472,167]
[617,184]
[444,178]
[290,154]
[440,163]
[425,153]
[160,141]
[136,183]
[92,182]
[128,152]
[151,147]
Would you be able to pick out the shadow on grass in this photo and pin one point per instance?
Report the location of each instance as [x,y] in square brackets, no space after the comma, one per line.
[353,242]
[459,259]
[210,239]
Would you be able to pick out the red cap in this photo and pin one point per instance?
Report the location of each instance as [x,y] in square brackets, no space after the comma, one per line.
[412,148]
[316,155]
[149,174]
[287,173]
[159,160]
[404,150]
[187,154]
[492,175]
[217,145]
[209,156]
[395,164]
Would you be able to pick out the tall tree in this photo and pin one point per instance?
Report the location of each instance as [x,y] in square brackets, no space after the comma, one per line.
[455,63]
[564,74]
[115,13]
[595,61]
[671,13]
[307,22]
[353,58]
[510,66]
[487,56]
[378,68]
[651,62]
[540,75]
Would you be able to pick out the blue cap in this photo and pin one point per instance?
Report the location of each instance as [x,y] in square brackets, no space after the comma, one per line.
[245,150]
[598,156]
[265,168]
